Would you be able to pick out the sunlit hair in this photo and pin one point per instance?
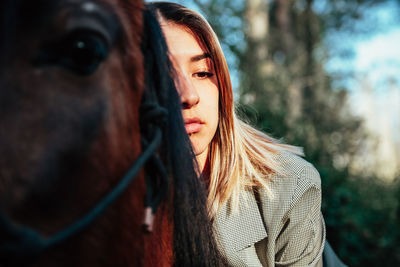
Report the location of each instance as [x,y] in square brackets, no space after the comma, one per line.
[240,156]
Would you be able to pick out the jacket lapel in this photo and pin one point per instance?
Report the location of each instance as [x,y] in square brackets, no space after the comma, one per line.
[239,230]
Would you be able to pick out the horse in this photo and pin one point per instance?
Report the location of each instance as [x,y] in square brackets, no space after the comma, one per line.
[91,132]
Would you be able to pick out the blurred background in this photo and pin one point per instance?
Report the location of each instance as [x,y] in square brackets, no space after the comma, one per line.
[325,75]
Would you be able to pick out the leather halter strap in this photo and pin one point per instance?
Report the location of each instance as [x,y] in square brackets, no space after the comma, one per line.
[19,242]
[26,242]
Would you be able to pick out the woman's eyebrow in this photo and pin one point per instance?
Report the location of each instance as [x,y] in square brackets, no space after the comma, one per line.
[200,57]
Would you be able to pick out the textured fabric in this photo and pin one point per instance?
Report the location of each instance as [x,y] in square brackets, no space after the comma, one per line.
[285,229]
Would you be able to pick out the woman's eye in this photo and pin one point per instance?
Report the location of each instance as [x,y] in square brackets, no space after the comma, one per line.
[203,74]
[80,52]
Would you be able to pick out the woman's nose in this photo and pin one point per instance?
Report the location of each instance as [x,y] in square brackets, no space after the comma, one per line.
[188,92]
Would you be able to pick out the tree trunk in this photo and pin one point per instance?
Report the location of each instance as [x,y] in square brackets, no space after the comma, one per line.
[255,62]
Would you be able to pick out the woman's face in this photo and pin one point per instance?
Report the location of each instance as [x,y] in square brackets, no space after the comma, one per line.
[197,85]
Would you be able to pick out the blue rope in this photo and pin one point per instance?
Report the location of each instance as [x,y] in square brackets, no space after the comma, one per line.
[27,241]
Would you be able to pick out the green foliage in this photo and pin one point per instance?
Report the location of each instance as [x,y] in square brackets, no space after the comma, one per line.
[296,100]
[361,215]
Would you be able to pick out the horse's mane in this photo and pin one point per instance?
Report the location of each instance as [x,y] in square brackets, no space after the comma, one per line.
[194,244]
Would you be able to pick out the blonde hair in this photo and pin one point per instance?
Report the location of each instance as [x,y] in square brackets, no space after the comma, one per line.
[240,156]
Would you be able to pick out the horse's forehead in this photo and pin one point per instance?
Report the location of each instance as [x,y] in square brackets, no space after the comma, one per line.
[36,9]
[35,15]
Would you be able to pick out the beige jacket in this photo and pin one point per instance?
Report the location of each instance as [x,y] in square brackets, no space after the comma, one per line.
[285,230]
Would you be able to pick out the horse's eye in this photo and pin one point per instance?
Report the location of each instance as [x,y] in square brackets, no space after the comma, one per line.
[81,52]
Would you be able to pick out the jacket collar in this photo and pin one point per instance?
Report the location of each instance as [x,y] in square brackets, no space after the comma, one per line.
[240,229]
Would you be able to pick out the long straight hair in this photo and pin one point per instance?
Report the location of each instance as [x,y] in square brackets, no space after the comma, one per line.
[194,243]
[240,156]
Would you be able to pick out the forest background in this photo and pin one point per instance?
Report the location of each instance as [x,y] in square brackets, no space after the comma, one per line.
[279,53]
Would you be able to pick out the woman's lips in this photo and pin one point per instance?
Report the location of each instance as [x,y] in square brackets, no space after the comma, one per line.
[193,125]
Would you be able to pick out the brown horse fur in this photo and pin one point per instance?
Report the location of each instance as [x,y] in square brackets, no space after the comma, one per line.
[66,138]
[100,139]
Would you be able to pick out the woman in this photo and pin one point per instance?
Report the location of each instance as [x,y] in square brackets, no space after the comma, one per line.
[265,200]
